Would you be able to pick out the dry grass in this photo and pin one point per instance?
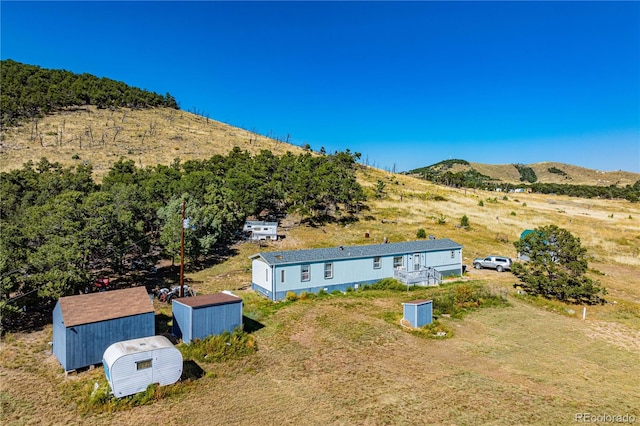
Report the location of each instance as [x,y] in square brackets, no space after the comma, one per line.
[338,361]
[148,137]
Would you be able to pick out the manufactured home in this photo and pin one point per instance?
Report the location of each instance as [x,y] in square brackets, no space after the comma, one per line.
[261,230]
[423,262]
[206,315]
[132,365]
[87,324]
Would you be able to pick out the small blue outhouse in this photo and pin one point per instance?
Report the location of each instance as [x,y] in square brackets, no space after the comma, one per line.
[205,315]
[418,312]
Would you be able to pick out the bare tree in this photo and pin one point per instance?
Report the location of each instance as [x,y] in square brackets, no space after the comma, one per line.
[116,130]
[89,132]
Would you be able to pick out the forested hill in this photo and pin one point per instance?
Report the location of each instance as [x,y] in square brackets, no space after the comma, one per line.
[465,173]
[31,91]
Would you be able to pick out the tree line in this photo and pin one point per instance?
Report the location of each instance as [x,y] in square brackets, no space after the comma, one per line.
[473,179]
[30,91]
[61,230]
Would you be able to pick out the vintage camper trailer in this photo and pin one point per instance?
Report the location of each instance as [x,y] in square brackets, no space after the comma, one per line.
[132,365]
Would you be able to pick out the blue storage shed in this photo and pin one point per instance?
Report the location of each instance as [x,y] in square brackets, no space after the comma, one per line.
[418,312]
[84,326]
[205,315]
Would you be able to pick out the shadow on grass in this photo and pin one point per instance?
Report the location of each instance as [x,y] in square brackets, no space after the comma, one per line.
[191,371]
[251,325]
[162,324]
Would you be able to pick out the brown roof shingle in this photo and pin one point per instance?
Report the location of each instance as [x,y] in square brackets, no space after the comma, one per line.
[107,305]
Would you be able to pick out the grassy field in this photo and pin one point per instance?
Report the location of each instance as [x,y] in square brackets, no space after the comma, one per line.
[344,359]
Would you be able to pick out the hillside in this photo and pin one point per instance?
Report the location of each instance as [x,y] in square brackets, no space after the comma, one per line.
[88,135]
[545,172]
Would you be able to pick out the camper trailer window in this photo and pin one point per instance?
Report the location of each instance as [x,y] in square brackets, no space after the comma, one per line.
[398,262]
[142,365]
[377,262]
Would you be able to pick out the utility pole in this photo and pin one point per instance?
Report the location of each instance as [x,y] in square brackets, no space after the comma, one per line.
[182,253]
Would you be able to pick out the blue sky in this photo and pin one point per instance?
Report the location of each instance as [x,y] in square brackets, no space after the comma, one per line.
[406,84]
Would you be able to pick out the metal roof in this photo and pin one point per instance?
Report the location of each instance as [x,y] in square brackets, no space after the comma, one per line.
[103,306]
[208,300]
[355,252]
[418,302]
[260,223]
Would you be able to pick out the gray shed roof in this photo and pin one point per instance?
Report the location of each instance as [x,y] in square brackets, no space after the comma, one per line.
[208,300]
[355,252]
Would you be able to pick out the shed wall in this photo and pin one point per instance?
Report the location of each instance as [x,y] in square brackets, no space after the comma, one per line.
[191,323]
[84,345]
[419,315]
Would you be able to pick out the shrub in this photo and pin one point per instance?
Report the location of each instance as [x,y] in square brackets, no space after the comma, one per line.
[524,204]
[221,347]
[481,203]
[75,157]
[513,213]
[421,233]
[441,220]
[291,296]
[464,221]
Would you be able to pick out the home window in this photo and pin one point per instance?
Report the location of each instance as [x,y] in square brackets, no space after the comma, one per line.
[282,276]
[398,262]
[377,262]
[143,365]
[328,271]
[305,272]
[453,254]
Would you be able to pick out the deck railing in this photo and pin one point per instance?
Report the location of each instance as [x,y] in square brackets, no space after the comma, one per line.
[423,276]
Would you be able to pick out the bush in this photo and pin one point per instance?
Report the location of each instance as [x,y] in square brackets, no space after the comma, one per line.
[388,284]
[291,296]
[481,203]
[464,221]
[221,347]
[421,233]
[513,213]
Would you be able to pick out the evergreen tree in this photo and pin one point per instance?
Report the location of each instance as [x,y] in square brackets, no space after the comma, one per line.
[556,267]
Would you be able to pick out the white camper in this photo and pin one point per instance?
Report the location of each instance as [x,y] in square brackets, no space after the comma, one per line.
[132,365]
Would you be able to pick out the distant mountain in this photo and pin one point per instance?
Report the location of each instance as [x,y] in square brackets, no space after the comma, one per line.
[518,174]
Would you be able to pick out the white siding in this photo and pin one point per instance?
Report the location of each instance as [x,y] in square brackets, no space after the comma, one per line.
[261,274]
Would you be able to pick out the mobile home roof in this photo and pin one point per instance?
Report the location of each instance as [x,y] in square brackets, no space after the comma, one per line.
[354,252]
